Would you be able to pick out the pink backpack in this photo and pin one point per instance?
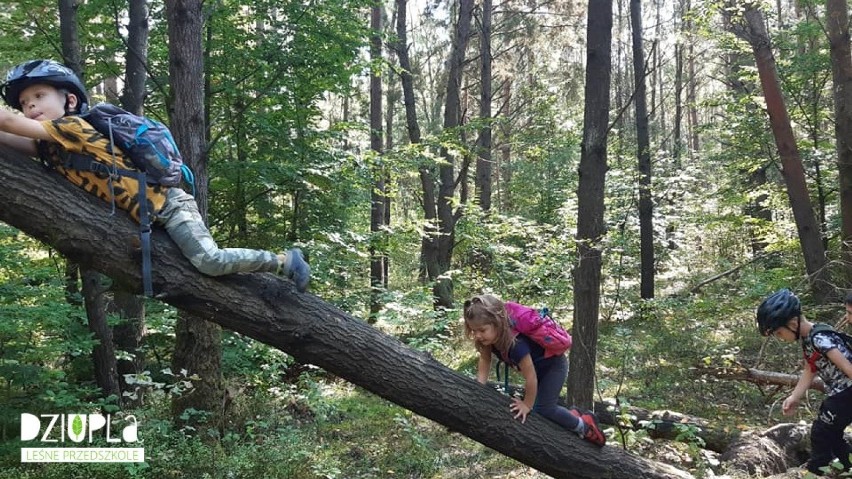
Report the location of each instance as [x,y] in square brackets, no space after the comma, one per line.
[539,327]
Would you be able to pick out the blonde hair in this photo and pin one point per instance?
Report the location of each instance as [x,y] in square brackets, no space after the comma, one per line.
[483,310]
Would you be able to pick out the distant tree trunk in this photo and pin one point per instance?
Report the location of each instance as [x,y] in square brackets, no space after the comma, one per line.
[198,348]
[377,195]
[95,286]
[441,246]
[429,203]
[136,58]
[504,171]
[646,206]
[677,133]
[590,206]
[71,51]
[691,97]
[393,97]
[753,30]
[837,23]
[483,163]
[130,308]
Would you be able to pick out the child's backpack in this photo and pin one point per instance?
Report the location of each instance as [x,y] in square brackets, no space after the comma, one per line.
[819,328]
[147,142]
[152,150]
[540,327]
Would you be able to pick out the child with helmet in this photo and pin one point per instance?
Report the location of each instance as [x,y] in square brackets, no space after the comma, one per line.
[50,96]
[826,354]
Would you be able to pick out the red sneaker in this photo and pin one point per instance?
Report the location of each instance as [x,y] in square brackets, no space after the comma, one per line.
[593,432]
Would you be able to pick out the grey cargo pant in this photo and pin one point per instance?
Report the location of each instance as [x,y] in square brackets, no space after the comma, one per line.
[183,222]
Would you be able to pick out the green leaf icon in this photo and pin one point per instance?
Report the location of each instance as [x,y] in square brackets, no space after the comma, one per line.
[77,425]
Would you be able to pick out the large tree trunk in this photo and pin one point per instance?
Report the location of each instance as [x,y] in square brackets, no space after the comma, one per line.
[837,24]
[590,206]
[753,30]
[267,308]
[643,141]
[198,347]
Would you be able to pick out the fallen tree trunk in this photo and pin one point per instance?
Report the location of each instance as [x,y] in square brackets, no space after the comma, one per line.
[268,309]
[759,377]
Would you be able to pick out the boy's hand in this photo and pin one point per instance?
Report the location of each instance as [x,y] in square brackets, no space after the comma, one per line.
[789,406]
[520,409]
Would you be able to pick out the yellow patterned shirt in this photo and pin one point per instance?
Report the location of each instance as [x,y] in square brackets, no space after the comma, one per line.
[71,134]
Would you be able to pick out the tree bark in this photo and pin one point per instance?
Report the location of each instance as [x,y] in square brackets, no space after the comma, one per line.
[753,30]
[267,308]
[643,141]
[837,24]
[198,348]
[590,204]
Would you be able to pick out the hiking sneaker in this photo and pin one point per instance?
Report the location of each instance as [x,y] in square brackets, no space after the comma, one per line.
[593,432]
[296,268]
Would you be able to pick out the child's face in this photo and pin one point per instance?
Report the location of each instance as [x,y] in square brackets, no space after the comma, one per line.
[44,102]
[484,334]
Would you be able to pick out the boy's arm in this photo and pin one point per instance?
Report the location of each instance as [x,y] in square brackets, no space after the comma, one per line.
[840,361]
[21,143]
[484,366]
[801,388]
[20,125]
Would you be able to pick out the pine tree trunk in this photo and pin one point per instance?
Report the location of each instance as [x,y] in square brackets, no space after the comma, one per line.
[753,30]
[646,206]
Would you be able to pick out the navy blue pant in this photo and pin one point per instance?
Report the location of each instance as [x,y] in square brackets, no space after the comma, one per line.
[827,441]
[551,374]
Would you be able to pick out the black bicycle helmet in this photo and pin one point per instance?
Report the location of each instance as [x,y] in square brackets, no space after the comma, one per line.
[776,310]
[42,71]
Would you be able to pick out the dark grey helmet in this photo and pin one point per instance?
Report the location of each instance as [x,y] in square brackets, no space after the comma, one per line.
[42,71]
[776,310]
